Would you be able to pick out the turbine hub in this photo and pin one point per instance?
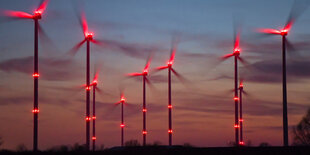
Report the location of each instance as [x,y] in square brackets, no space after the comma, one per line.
[284,32]
[89,36]
[169,63]
[237,52]
[145,72]
[37,15]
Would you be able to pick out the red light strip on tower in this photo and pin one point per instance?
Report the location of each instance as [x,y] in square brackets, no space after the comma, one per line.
[94,117]
[236,126]
[236,98]
[36,75]
[144,110]
[93,138]
[144,132]
[35,111]
[169,131]
[87,118]
[170,106]
[122,125]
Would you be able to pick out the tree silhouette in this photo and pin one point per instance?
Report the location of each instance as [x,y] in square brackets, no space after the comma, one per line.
[302,131]
[132,143]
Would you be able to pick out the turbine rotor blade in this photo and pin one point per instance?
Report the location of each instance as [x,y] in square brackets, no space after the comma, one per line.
[99,42]
[268,31]
[148,62]
[135,74]
[242,61]
[17,14]
[46,39]
[297,9]
[80,14]
[179,76]
[226,56]
[149,83]
[75,49]
[42,6]
[162,67]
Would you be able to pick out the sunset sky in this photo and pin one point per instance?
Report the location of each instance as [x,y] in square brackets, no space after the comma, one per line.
[203,108]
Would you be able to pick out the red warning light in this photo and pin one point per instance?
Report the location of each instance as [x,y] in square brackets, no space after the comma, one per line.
[144,132]
[35,111]
[122,125]
[169,131]
[144,110]
[93,138]
[170,106]
[236,98]
[87,118]
[36,75]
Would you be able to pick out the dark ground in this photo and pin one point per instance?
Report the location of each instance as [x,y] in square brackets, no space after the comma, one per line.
[164,150]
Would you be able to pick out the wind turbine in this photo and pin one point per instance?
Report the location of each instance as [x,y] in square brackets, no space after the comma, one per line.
[170,69]
[88,39]
[236,55]
[36,17]
[94,85]
[144,74]
[241,92]
[122,125]
[294,14]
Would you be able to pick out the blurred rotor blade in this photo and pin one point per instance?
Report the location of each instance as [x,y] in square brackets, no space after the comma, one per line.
[149,83]
[297,9]
[237,31]
[80,14]
[47,42]
[148,62]
[83,23]
[269,31]
[292,50]
[162,67]
[172,52]
[101,43]
[96,75]
[236,38]
[226,56]
[42,6]
[290,46]
[75,49]
[181,78]
[17,14]
[244,62]
[135,74]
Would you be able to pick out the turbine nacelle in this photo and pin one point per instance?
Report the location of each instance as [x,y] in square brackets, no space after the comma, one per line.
[89,36]
[94,83]
[122,99]
[37,14]
[170,64]
[283,32]
[237,51]
[145,72]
